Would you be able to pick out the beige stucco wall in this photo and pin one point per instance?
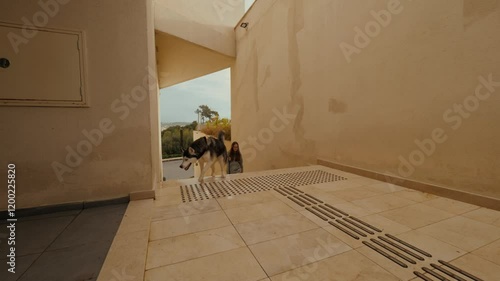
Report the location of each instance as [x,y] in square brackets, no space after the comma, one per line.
[120,62]
[369,109]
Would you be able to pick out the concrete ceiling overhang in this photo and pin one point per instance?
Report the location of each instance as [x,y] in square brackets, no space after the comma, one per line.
[179,60]
[194,37]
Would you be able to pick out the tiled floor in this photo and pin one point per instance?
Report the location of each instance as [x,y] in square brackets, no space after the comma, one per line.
[265,235]
[65,246]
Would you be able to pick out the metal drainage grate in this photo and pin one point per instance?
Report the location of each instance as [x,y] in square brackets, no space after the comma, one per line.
[444,272]
[398,251]
[196,192]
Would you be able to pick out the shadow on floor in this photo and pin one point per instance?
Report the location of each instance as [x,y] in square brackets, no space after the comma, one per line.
[63,246]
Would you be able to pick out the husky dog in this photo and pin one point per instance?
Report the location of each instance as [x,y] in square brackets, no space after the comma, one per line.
[207,151]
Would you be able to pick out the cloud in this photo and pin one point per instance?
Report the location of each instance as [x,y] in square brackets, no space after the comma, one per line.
[178,103]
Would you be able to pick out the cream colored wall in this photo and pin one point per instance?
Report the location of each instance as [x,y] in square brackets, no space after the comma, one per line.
[370,112]
[120,61]
[154,101]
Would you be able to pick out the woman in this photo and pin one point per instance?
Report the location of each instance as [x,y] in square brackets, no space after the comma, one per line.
[235,161]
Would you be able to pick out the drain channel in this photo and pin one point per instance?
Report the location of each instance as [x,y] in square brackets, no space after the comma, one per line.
[441,273]
[393,251]
[391,247]
[395,260]
[401,248]
[463,272]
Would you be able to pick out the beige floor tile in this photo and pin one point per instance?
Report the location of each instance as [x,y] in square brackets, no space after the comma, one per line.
[478,267]
[314,218]
[426,275]
[345,184]
[185,225]
[344,267]
[350,241]
[385,224]
[289,202]
[246,199]
[137,217]
[490,252]
[166,200]
[353,210]
[354,193]
[164,191]
[360,181]
[126,257]
[271,228]
[463,233]
[330,186]
[286,253]
[390,266]
[175,183]
[308,188]
[384,187]
[415,195]
[238,264]
[382,203]
[485,215]
[185,209]
[437,248]
[258,211]
[191,246]
[417,215]
[322,195]
[185,247]
[451,206]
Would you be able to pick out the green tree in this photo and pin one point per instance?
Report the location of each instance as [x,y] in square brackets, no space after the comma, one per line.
[215,125]
[171,139]
[206,113]
[193,125]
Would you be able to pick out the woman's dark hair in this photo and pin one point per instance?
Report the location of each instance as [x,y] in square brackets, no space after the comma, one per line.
[235,155]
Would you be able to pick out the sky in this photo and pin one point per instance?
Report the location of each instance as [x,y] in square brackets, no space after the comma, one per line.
[178,103]
[248,3]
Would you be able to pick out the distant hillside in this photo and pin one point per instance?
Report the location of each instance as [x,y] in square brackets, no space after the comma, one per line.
[165,125]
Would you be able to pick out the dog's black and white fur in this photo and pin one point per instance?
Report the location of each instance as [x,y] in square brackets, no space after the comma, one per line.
[206,151]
